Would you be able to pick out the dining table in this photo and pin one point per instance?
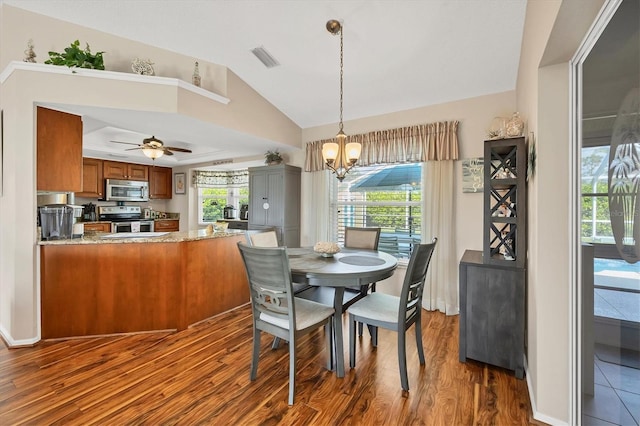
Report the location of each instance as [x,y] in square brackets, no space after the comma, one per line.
[347,268]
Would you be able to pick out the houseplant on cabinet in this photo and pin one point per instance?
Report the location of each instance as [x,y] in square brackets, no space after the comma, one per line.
[74,57]
[272,158]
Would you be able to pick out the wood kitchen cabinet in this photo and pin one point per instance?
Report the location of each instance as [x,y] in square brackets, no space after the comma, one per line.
[160,182]
[97,226]
[92,180]
[59,151]
[274,201]
[129,171]
[166,225]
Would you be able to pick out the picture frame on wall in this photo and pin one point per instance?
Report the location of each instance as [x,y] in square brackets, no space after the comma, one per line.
[179,184]
[473,175]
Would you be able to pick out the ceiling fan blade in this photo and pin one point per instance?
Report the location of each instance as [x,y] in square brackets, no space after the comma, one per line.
[132,149]
[173,148]
[167,152]
[126,143]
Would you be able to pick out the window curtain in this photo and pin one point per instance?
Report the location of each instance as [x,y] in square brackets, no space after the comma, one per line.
[436,145]
[220,179]
[413,144]
[441,286]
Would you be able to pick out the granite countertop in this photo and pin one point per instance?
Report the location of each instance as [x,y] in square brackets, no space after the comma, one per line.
[144,237]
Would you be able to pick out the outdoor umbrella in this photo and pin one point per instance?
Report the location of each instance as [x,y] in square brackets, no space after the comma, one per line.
[401,177]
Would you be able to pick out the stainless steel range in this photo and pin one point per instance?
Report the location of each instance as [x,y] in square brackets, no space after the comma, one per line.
[125,218]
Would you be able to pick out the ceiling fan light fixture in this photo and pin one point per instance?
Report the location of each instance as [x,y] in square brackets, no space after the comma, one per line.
[152,153]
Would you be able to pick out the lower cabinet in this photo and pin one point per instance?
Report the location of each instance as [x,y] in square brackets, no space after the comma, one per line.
[166,225]
[97,226]
[492,313]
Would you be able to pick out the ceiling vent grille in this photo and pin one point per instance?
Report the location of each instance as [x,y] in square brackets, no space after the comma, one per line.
[265,57]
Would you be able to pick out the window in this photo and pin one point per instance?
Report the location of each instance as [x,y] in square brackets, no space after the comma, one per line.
[595,221]
[212,201]
[385,196]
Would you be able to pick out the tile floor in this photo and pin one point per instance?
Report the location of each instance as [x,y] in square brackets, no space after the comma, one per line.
[617,396]
[616,399]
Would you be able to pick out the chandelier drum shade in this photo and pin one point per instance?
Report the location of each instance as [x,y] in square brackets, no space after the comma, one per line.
[340,156]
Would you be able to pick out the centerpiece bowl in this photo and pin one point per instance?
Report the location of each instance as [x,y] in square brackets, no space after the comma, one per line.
[326,249]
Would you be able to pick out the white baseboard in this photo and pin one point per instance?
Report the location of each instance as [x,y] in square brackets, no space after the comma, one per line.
[12,343]
[541,417]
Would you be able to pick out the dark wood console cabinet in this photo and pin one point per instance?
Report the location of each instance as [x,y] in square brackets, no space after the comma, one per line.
[492,313]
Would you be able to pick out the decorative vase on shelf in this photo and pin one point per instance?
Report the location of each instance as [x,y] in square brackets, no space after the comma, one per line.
[498,128]
[195,79]
[515,126]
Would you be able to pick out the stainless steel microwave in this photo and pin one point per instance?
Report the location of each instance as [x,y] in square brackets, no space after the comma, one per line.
[126,190]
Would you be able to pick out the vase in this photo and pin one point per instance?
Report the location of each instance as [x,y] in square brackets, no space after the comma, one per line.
[515,126]
[195,79]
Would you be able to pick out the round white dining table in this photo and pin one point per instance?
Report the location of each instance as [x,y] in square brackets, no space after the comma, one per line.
[347,268]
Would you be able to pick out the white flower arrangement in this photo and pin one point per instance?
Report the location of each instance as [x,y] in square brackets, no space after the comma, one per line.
[325,247]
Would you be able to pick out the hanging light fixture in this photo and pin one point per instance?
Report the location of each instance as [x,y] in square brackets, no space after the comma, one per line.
[152,153]
[339,156]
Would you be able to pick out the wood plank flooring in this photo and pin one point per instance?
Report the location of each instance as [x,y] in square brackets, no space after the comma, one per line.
[201,376]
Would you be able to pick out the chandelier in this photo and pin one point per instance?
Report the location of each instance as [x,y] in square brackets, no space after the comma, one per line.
[340,156]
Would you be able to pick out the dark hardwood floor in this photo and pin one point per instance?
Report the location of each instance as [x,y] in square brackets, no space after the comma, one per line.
[201,376]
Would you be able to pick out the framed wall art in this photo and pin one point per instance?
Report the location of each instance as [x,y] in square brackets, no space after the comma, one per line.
[473,174]
[179,183]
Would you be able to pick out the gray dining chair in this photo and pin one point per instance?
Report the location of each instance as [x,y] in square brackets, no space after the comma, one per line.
[276,310]
[262,238]
[396,313]
[360,238]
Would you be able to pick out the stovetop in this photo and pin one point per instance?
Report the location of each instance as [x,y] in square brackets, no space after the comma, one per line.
[119,213]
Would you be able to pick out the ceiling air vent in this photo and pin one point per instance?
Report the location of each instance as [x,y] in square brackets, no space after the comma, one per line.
[265,57]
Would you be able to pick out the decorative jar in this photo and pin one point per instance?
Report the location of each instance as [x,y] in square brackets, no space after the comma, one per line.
[515,126]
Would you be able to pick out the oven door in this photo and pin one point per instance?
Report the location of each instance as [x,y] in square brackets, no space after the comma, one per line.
[145,226]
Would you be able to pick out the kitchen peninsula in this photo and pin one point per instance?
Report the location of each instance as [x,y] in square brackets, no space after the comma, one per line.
[105,284]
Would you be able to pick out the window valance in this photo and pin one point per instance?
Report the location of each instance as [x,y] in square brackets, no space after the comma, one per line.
[419,143]
[203,178]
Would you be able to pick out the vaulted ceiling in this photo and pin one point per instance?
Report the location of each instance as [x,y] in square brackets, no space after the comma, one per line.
[398,55]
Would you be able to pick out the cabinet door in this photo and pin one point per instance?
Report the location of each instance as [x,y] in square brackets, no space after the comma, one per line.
[92,181]
[166,225]
[114,170]
[258,195]
[275,198]
[59,151]
[492,319]
[138,172]
[160,182]
[97,227]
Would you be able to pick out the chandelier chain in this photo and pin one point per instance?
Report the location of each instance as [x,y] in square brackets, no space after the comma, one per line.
[341,76]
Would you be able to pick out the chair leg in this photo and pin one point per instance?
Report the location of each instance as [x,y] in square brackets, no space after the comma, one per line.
[418,327]
[402,358]
[276,343]
[256,354]
[374,335]
[292,369]
[352,341]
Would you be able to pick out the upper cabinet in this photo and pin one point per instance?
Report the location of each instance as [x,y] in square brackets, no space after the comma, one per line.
[129,171]
[59,151]
[160,182]
[92,180]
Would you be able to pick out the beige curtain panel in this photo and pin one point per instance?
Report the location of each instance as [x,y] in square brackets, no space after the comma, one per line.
[420,143]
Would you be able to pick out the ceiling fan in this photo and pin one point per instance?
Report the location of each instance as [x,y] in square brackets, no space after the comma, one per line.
[154,148]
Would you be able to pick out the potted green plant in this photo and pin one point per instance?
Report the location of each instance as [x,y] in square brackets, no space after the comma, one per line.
[273,157]
[75,57]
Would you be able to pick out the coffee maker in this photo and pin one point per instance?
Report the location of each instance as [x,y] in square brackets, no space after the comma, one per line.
[244,212]
[228,212]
